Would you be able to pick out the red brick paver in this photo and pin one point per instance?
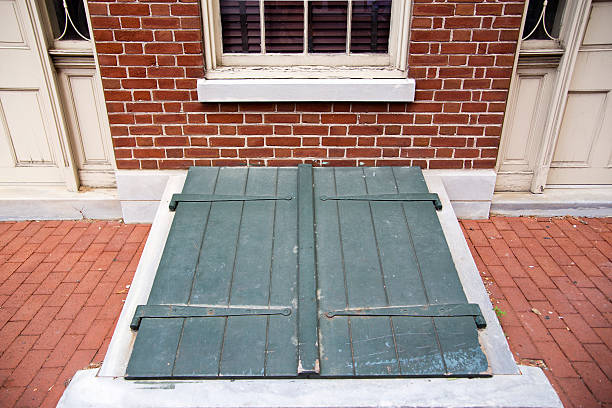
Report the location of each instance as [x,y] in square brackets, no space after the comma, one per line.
[551,282]
[62,286]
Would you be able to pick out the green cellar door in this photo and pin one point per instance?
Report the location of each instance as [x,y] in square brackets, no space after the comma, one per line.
[318,272]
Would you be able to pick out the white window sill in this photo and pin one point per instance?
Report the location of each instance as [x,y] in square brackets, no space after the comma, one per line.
[306,90]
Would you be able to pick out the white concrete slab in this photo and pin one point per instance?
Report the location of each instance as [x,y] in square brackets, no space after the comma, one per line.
[531,389]
[471,210]
[38,203]
[578,202]
[143,185]
[466,185]
[507,387]
[135,212]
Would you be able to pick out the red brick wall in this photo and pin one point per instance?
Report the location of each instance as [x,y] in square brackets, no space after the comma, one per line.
[150,55]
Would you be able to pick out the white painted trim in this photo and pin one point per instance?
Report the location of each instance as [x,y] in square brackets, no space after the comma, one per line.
[304,71]
[215,60]
[302,90]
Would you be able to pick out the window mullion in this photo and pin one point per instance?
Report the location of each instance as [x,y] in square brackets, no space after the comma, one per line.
[305,26]
[262,27]
[349,21]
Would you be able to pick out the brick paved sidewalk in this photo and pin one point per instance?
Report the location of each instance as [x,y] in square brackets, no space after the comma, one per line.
[550,280]
[62,286]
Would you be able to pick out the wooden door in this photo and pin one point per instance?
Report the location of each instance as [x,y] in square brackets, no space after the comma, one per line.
[285,272]
[583,153]
[31,148]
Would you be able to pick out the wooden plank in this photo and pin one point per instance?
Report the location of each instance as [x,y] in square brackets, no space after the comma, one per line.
[174,275]
[372,338]
[336,354]
[417,347]
[459,341]
[173,281]
[281,351]
[308,353]
[244,342]
[154,349]
[214,272]
[201,342]
[458,338]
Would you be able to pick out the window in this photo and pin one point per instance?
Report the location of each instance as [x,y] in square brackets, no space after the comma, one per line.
[544,27]
[306,38]
[543,20]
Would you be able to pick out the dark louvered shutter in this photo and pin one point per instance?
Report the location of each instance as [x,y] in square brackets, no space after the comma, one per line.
[284,26]
[370,26]
[327,25]
[240,26]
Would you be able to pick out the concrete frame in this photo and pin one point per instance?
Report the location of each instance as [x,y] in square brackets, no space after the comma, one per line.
[510,385]
[140,191]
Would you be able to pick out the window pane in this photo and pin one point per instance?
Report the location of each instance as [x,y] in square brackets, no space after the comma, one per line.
[552,17]
[64,28]
[284,26]
[240,26]
[327,26]
[371,20]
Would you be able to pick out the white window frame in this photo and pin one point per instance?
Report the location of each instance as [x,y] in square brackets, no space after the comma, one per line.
[304,65]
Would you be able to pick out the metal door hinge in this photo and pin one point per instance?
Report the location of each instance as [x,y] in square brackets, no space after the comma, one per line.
[183,311]
[445,310]
[200,198]
[433,197]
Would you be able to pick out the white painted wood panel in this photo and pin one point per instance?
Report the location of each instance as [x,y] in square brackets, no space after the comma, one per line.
[89,135]
[600,24]
[583,153]
[593,70]
[526,117]
[32,147]
[580,129]
[25,131]
[11,33]
[584,148]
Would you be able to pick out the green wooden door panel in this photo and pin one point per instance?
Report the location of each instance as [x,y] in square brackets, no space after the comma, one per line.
[229,254]
[313,254]
[390,253]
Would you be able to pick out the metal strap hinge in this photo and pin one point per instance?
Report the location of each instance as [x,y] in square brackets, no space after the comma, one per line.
[199,198]
[433,197]
[178,311]
[445,310]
